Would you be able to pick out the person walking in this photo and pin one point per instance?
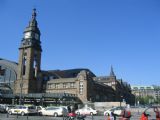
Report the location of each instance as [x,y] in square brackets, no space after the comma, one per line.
[110,117]
[126,114]
[156,110]
[144,116]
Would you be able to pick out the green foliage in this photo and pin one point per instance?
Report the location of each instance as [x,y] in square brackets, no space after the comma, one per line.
[157,101]
[145,100]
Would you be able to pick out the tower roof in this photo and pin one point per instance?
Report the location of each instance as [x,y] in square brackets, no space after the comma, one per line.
[112,72]
[33,25]
[32,34]
[33,21]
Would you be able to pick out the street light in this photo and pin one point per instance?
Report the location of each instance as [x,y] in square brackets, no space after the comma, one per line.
[21,85]
[121,100]
[42,101]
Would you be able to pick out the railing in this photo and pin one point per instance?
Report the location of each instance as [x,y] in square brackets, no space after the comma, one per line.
[39,95]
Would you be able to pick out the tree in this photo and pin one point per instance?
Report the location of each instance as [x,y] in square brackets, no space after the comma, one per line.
[145,99]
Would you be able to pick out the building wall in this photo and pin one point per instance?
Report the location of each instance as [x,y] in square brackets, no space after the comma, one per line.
[144,91]
[85,88]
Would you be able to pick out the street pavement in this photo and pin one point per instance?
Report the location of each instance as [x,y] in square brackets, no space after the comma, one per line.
[135,116]
[15,117]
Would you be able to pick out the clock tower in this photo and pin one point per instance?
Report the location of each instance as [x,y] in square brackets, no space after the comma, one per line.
[28,76]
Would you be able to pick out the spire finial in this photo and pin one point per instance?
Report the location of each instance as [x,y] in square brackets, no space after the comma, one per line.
[33,21]
[112,72]
[34,13]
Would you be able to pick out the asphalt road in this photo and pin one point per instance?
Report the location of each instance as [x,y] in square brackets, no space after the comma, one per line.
[135,116]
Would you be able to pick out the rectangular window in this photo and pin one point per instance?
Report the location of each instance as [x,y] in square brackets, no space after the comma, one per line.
[81,88]
[64,85]
[49,85]
[72,85]
[57,85]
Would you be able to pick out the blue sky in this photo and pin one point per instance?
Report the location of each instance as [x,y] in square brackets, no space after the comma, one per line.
[92,34]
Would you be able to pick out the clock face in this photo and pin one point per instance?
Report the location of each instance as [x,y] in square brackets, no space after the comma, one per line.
[36,36]
[27,35]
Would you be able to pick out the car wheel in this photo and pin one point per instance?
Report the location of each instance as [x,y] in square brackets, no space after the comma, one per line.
[55,114]
[10,112]
[22,113]
[40,113]
[91,113]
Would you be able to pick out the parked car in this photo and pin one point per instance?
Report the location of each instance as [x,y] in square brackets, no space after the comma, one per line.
[3,108]
[54,111]
[22,110]
[116,110]
[8,107]
[39,108]
[86,111]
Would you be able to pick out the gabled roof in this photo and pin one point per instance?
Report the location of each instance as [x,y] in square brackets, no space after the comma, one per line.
[62,80]
[71,73]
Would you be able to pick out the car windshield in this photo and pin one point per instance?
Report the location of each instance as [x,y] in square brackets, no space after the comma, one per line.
[31,107]
[116,108]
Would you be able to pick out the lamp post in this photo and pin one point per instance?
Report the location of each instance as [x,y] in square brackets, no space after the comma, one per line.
[121,100]
[42,101]
[64,101]
[20,98]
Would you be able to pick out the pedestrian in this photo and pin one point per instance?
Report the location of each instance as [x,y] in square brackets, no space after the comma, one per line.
[156,110]
[114,115]
[144,116]
[126,114]
[110,117]
[69,109]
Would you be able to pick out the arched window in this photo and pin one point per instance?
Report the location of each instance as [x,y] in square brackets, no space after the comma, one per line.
[24,65]
[35,65]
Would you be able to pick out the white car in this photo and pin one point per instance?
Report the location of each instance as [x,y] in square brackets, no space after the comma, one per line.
[86,111]
[38,108]
[116,110]
[54,111]
[22,110]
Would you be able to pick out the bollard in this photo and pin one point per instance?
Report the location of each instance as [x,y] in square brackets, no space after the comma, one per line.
[63,116]
[27,116]
[92,117]
[7,115]
[17,114]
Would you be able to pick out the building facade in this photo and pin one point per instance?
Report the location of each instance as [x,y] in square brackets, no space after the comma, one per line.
[144,91]
[82,83]
[122,89]
[83,86]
